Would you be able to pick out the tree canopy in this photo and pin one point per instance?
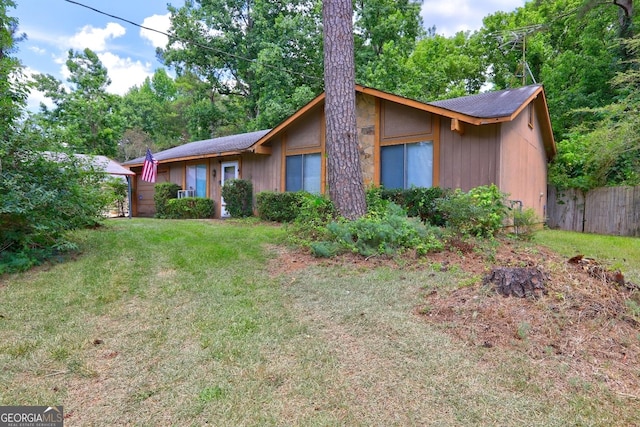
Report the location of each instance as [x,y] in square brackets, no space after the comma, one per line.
[85,117]
[40,197]
[239,65]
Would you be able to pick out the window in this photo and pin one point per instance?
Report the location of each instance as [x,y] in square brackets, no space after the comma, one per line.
[531,115]
[197,179]
[407,165]
[303,173]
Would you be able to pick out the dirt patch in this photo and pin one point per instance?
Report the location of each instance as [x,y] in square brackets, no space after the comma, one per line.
[581,322]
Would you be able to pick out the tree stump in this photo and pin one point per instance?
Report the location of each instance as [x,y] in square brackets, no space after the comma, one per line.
[521,282]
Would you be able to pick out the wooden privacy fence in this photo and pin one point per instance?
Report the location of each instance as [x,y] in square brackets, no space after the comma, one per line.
[607,210]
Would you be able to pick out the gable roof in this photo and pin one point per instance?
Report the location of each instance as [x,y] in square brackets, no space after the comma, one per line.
[485,108]
[491,105]
[224,145]
[106,164]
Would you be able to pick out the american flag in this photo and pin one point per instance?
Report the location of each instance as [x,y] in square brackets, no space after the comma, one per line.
[149,168]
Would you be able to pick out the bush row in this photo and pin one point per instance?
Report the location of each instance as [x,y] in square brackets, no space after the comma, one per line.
[419,218]
[189,208]
[396,220]
[168,206]
[479,212]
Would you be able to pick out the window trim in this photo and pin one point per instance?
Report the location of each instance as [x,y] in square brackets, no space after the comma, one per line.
[206,176]
[531,115]
[381,142]
[302,156]
[405,162]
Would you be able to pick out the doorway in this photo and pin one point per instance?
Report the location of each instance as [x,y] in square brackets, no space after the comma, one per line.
[230,170]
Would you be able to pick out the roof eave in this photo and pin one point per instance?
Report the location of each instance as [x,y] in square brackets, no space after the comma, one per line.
[196,157]
[279,128]
[434,109]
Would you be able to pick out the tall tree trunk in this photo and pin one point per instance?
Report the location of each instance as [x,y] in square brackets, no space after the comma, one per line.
[626,15]
[346,187]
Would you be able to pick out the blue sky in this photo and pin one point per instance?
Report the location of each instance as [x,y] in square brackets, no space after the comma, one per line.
[55,26]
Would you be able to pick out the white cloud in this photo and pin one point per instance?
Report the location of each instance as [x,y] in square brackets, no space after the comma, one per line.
[96,38]
[35,96]
[124,72]
[49,38]
[38,50]
[462,15]
[157,22]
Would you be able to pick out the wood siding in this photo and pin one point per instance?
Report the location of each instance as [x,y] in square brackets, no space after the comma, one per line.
[523,162]
[401,124]
[305,134]
[264,171]
[611,210]
[468,160]
[142,192]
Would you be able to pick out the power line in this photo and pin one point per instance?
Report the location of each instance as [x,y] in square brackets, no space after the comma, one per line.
[218,51]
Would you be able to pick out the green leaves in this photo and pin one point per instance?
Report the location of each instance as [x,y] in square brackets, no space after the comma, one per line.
[86,117]
[238,196]
[477,213]
[250,55]
[43,199]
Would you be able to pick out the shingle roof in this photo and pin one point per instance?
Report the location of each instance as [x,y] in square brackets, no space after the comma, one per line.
[223,144]
[488,105]
[501,104]
[102,163]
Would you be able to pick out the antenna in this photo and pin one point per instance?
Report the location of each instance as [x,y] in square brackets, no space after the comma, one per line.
[517,39]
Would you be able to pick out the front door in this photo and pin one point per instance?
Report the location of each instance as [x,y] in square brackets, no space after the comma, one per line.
[229,171]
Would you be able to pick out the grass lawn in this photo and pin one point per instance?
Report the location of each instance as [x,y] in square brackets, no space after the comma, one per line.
[162,322]
[615,251]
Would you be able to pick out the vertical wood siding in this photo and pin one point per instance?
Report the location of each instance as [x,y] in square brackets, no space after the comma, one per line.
[468,160]
[143,202]
[565,209]
[523,163]
[611,210]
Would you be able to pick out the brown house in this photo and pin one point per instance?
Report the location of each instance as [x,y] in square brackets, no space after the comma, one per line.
[501,138]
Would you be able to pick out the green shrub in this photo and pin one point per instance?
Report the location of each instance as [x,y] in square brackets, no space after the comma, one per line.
[326,249]
[419,202]
[164,192]
[480,212]
[525,222]
[377,204]
[238,196]
[381,234]
[280,207]
[40,201]
[316,211]
[189,208]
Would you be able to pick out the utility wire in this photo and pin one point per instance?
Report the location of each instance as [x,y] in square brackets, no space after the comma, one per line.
[498,34]
[213,49]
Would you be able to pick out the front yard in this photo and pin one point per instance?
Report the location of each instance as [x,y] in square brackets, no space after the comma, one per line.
[220,323]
